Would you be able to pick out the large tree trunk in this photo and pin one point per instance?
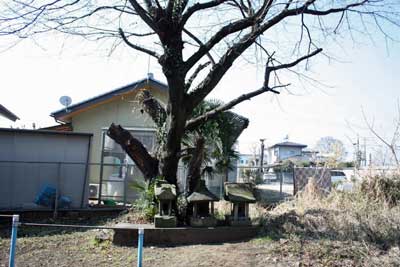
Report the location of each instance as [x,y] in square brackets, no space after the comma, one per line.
[195,163]
[173,69]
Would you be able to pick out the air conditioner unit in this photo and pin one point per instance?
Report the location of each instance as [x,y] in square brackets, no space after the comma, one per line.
[94,191]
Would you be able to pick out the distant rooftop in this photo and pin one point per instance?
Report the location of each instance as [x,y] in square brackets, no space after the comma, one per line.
[288,144]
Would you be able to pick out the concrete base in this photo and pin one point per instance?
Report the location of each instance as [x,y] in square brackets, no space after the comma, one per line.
[127,235]
[203,222]
[164,221]
[239,222]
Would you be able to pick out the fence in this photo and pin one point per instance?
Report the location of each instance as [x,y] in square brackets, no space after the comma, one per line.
[85,184]
[16,223]
[90,184]
[22,181]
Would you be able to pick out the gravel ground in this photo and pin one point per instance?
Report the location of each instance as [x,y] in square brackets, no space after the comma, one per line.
[82,249]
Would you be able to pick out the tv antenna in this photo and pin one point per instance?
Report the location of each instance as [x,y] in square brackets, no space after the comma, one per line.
[65,101]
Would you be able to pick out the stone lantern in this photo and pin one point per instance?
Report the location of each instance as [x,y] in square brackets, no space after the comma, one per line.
[240,195]
[166,195]
[203,206]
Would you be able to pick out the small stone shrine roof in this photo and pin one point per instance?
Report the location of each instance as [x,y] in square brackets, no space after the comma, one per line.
[239,192]
[201,194]
[164,191]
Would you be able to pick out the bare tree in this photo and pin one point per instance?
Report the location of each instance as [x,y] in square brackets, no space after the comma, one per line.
[331,148]
[197,43]
[392,143]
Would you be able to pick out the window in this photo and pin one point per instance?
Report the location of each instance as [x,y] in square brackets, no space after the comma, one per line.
[114,154]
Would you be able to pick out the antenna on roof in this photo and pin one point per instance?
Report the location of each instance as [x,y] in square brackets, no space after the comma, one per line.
[65,101]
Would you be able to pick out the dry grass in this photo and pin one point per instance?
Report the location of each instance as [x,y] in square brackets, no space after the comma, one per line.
[368,214]
[340,229]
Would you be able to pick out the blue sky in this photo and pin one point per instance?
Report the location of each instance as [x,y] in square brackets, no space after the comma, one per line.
[36,74]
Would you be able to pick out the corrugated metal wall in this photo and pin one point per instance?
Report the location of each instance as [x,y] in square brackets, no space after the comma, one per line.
[30,160]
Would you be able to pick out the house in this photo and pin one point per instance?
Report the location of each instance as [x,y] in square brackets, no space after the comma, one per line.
[284,150]
[4,112]
[109,163]
[111,168]
[118,106]
[248,160]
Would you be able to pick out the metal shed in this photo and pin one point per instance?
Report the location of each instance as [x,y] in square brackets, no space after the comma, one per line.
[33,159]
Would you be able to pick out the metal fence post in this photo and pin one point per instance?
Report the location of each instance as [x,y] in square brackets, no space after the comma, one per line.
[140,247]
[15,222]
[101,169]
[126,183]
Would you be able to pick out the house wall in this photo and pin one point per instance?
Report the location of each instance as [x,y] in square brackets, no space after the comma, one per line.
[124,111]
[279,153]
[287,152]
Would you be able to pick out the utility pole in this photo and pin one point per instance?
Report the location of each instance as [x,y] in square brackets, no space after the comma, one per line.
[357,153]
[365,152]
[262,156]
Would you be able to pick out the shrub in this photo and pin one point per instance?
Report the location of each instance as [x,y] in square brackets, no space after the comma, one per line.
[362,215]
[145,205]
[382,188]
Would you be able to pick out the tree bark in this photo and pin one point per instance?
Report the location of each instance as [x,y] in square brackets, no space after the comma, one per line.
[194,170]
[136,151]
[173,69]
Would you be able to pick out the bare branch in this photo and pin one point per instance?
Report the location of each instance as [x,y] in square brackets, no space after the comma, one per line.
[200,67]
[391,146]
[199,6]
[200,43]
[227,30]
[143,14]
[139,48]
[266,88]
[194,123]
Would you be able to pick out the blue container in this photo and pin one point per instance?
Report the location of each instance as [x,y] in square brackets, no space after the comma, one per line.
[46,196]
[64,202]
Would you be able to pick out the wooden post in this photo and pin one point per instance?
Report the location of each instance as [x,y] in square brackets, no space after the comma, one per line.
[212,207]
[195,210]
[246,210]
[235,212]
[160,208]
[169,208]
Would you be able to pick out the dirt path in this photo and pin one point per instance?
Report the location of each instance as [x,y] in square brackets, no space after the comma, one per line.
[81,249]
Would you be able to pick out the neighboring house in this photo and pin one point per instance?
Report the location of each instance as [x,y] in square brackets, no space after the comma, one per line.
[284,150]
[310,155]
[7,114]
[96,114]
[248,160]
[118,106]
